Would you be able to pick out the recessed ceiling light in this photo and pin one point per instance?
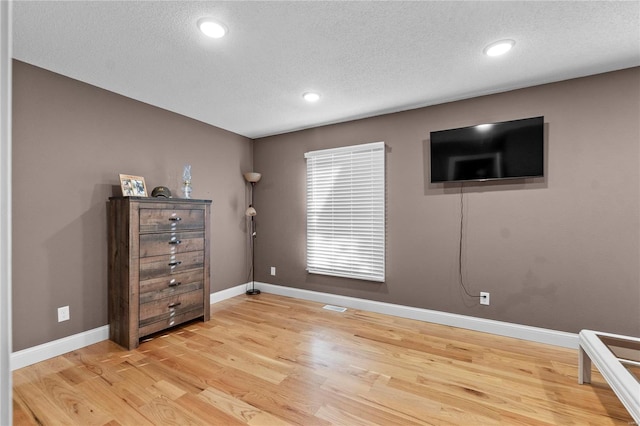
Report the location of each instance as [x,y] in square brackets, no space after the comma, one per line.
[499,47]
[311,97]
[212,28]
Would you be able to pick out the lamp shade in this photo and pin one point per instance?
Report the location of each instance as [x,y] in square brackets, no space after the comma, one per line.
[250,211]
[252,177]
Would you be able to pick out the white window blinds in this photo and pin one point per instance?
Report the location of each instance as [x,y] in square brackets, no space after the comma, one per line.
[346,211]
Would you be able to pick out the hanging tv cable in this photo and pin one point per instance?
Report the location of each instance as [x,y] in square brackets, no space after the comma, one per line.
[460,274]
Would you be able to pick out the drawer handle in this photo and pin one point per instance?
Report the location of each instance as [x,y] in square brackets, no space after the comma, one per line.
[175,242]
[175,219]
[175,263]
[174,304]
[175,284]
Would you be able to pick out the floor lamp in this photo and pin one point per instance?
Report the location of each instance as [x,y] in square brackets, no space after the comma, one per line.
[252,178]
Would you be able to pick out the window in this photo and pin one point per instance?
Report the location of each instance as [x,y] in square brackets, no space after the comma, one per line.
[346,212]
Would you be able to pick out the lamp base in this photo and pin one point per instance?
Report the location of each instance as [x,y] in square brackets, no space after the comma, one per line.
[253,291]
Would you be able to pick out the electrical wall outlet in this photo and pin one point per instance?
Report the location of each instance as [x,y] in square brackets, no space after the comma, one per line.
[273,270]
[63,314]
[484,298]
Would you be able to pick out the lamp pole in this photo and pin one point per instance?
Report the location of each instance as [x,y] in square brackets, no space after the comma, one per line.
[253,290]
[252,178]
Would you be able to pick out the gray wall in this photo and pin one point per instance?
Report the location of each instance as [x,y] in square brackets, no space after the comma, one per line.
[560,252]
[70,141]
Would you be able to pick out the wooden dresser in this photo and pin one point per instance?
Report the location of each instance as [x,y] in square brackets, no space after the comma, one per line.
[158,265]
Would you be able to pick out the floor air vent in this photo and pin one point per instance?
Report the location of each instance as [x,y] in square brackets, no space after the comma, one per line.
[334,308]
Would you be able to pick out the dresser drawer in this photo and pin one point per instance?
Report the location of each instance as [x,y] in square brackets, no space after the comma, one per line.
[160,323]
[158,288]
[153,296]
[157,220]
[171,306]
[170,243]
[160,266]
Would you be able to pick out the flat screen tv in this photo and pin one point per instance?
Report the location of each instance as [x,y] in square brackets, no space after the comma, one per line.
[505,150]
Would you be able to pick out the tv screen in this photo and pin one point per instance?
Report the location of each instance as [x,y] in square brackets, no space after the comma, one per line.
[506,150]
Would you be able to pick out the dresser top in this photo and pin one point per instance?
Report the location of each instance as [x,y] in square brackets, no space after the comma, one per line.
[162,200]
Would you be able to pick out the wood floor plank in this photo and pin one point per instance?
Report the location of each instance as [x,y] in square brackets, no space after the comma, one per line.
[236,408]
[272,360]
[202,410]
[34,408]
[164,411]
[60,402]
[107,398]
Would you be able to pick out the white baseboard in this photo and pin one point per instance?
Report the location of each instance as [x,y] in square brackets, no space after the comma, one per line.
[534,334]
[52,349]
[219,296]
[48,350]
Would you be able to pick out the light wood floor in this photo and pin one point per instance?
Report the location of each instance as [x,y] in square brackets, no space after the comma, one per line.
[270,360]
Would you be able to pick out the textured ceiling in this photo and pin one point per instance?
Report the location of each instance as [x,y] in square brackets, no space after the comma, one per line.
[365,58]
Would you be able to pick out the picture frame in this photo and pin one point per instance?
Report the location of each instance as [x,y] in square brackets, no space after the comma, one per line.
[133,186]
